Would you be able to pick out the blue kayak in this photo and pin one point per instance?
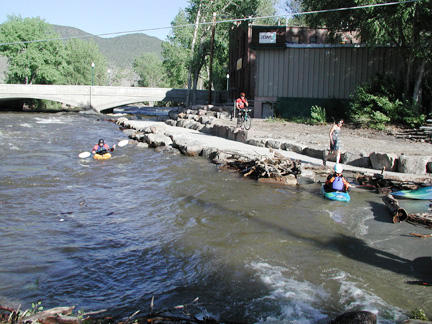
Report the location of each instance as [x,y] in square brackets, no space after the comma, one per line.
[420,193]
[336,195]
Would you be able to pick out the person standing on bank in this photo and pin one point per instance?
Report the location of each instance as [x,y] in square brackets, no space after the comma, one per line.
[334,135]
[241,103]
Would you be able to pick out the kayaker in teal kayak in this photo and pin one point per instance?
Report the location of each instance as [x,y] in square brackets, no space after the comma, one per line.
[336,181]
[101,148]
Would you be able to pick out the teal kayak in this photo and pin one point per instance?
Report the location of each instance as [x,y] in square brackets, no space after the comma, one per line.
[420,193]
[336,195]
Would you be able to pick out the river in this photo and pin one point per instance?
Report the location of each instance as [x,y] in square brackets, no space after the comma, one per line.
[111,234]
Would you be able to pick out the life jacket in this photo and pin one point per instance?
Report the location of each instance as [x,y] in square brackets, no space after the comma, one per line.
[98,149]
[338,184]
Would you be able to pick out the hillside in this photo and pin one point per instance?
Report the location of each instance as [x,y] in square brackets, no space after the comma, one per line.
[120,50]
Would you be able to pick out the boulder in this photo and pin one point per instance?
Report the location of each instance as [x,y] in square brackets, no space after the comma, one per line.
[209,152]
[170,122]
[137,136]
[355,317]
[220,130]
[306,177]
[191,124]
[196,126]
[206,120]
[273,143]
[173,113]
[260,142]
[315,153]
[413,164]
[129,132]
[231,134]
[182,122]
[381,160]
[208,129]
[288,180]
[187,146]
[358,159]
[242,136]
[155,140]
[154,129]
[293,147]
[429,167]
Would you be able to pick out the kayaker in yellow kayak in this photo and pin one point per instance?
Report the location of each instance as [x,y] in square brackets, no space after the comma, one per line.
[101,148]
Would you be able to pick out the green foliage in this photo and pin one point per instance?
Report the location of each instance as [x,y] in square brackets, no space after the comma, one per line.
[274,120]
[176,51]
[36,55]
[406,26]
[380,103]
[419,314]
[80,56]
[150,70]
[318,115]
[36,308]
[32,60]
[188,48]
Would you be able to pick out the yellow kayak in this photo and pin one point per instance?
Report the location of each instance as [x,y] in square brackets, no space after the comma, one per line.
[102,157]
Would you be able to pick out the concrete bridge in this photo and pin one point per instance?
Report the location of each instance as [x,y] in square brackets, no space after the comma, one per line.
[101,98]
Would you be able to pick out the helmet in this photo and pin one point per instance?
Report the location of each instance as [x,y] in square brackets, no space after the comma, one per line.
[242,94]
[101,141]
[338,168]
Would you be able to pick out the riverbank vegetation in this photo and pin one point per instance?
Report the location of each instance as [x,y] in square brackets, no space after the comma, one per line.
[36,55]
[404,26]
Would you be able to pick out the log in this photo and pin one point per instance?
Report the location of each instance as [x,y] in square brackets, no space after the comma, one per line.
[48,316]
[421,235]
[399,214]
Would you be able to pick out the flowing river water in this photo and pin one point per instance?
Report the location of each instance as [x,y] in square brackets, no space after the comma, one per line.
[111,234]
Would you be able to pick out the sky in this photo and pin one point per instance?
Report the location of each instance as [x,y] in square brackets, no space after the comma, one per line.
[99,17]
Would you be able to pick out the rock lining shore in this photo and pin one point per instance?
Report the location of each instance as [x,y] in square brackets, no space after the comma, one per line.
[195,133]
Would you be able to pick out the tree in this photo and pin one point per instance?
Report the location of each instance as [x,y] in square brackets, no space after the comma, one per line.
[35,52]
[198,43]
[176,51]
[405,26]
[80,56]
[149,68]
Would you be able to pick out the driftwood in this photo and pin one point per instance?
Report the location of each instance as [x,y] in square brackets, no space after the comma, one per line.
[385,184]
[276,166]
[400,214]
[421,235]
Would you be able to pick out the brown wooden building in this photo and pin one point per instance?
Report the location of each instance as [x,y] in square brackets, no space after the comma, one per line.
[286,70]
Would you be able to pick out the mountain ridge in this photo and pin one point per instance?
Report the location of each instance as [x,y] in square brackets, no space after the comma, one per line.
[121,50]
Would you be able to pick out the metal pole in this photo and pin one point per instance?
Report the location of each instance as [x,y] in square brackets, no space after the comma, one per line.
[92,65]
[211,58]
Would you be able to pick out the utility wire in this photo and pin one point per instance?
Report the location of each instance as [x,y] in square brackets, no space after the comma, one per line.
[218,22]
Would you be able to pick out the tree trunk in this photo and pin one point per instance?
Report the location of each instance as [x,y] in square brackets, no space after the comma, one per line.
[198,17]
[211,59]
[417,87]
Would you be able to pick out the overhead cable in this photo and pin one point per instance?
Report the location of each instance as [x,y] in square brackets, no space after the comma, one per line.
[217,22]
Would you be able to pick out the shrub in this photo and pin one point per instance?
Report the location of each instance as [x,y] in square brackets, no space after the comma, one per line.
[318,115]
[381,103]
[418,314]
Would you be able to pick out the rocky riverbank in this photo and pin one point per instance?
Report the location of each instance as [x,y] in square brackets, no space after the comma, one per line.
[365,152]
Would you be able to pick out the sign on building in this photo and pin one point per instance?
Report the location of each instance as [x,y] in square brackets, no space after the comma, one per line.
[268,37]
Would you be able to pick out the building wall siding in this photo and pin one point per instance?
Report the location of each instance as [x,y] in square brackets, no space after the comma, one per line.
[320,72]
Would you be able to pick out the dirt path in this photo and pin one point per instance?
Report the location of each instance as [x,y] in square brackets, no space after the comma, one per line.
[354,140]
